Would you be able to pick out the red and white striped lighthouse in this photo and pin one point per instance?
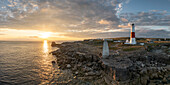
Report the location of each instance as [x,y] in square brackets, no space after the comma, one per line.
[132,36]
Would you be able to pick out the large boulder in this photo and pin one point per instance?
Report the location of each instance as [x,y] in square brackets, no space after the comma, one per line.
[53,44]
[118,66]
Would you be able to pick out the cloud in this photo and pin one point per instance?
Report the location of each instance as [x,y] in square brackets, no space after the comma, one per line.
[78,18]
[125,26]
[2,34]
[119,8]
[104,22]
[153,33]
[33,37]
[127,1]
[140,32]
[154,17]
[59,15]
[124,20]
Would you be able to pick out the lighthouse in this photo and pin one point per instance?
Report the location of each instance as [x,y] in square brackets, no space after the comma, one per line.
[132,36]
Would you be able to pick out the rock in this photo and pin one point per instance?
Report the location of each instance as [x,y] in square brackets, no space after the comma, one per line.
[53,44]
[142,65]
[53,62]
[144,80]
[160,76]
[79,65]
[68,60]
[89,64]
[139,63]
[151,84]
[164,47]
[89,58]
[75,68]
[168,67]
[76,72]
[54,53]
[68,66]
[86,69]
[149,70]
[54,83]
[143,72]
[98,73]
[154,76]
[90,73]
[164,80]
[80,54]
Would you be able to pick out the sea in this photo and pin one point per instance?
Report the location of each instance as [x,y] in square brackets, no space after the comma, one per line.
[27,63]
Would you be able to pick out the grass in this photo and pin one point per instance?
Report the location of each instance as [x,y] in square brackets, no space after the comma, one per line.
[131,49]
[153,44]
[161,41]
[113,48]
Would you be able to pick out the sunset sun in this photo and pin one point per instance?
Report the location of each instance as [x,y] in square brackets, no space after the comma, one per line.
[45,35]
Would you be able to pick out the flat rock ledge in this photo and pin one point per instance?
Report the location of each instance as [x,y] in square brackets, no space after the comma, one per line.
[86,64]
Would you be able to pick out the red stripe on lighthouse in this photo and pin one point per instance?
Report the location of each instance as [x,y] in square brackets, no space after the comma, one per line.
[132,34]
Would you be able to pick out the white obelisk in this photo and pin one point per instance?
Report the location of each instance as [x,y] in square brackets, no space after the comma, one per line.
[105,53]
[132,37]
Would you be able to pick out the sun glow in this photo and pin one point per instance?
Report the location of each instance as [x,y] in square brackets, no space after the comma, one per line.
[45,35]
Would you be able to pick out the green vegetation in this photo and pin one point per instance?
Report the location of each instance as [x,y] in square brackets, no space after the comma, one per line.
[113,48]
[153,44]
[95,42]
[131,49]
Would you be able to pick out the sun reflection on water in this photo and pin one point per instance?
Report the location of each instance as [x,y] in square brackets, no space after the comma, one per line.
[45,63]
[45,47]
[45,59]
[50,73]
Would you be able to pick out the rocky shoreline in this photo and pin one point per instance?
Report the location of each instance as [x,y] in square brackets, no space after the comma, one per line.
[136,68]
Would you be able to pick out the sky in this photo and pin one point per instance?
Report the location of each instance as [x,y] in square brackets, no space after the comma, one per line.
[34,20]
